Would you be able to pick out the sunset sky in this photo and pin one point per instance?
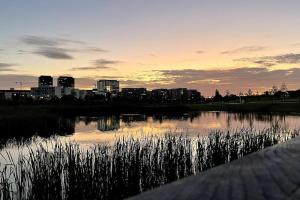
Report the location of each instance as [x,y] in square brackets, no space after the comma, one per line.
[206,45]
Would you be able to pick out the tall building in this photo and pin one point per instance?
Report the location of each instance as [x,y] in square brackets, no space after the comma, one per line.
[65,82]
[45,81]
[108,86]
[45,89]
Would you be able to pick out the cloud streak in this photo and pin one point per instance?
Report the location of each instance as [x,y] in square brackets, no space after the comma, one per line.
[47,41]
[57,48]
[54,53]
[5,67]
[200,52]
[290,58]
[98,64]
[246,49]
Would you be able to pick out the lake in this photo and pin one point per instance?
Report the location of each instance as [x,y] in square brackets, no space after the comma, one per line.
[127,167]
[106,128]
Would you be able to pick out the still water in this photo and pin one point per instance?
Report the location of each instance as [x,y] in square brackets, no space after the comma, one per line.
[106,128]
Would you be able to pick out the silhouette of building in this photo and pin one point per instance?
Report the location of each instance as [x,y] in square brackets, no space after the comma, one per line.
[46,92]
[45,89]
[128,118]
[14,94]
[45,81]
[159,95]
[108,86]
[65,82]
[134,93]
[82,94]
[194,96]
[178,94]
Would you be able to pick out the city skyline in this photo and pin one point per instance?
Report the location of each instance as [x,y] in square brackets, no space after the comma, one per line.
[203,45]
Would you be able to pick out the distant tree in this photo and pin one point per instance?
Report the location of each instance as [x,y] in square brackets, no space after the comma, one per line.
[240,95]
[227,93]
[274,89]
[218,96]
[68,99]
[283,88]
[267,93]
[249,92]
[284,91]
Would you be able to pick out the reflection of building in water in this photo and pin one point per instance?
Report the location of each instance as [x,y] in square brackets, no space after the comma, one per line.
[133,118]
[176,116]
[108,123]
[66,126]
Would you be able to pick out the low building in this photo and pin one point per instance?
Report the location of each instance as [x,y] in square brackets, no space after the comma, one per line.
[178,94]
[134,93]
[159,95]
[108,86]
[13,94]
[194,96]
[67,91]
[82,94]
[46,92]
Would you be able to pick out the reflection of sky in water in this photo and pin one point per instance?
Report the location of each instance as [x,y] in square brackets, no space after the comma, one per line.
[105,129]
[100,129]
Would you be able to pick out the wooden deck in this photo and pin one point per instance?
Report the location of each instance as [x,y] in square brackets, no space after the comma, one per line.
[273,173]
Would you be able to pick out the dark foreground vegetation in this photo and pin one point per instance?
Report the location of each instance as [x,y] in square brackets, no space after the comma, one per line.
[127,167]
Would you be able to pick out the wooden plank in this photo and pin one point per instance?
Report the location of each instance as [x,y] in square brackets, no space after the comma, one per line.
[273,173]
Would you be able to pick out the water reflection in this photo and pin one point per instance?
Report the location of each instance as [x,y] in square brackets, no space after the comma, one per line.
[108,123]
[126,124]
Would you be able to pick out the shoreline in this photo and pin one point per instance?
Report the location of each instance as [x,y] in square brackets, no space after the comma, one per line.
[26,110]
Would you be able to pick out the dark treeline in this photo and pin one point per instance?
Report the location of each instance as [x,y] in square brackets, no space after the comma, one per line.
[275,94]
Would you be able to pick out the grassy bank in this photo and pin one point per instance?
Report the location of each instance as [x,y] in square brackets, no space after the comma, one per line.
[83,109]
[249,107]
[86,109]
[127,167]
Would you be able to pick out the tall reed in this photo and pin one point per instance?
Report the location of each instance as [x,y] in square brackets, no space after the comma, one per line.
[127,167]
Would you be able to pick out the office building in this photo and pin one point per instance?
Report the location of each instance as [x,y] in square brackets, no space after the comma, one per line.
[45,81]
